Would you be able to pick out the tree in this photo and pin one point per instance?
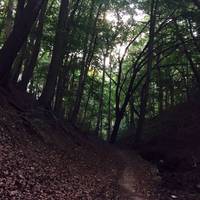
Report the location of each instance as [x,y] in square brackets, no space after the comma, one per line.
[88,52]
[101,96]
[28,71]
[145,88]
[57,56]
[16,38]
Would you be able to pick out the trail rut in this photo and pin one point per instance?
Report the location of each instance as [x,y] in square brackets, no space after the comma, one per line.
[135,182]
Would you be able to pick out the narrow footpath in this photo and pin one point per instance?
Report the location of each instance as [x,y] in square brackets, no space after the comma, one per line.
[138,179]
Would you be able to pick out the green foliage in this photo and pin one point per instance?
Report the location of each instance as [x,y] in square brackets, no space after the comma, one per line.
[116,25]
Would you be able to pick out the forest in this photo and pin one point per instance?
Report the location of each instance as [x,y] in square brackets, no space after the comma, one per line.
[121,73]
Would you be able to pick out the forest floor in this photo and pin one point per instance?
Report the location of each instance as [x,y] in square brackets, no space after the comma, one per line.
[171,142]
[142,180]
[139,178]
[40,159]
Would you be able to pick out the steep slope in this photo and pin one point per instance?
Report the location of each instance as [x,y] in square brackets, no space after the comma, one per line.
[171,142]
[42,159]
[176,136]
[175,148]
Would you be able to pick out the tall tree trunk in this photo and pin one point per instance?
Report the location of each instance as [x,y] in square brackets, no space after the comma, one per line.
[32,61]
[88,97]
[116,126]
[132,114]
[17,65]
[71,92]
[79,94]
[19,10]
[17,38]
[120,111]
[58,107]
[90,45]
[64,75]
[171,89]
[187,78]
[61,88]
[145,90]
[109,103]
[101,99]
[57,57]
[166,98]
[160,85]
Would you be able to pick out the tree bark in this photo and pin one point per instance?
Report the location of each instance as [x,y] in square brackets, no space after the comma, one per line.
[17,38]
[32,61]
[87,58]
[119,111]
[160,85]
[47,95]
[88,97]
[145,89]
[17,65]
[64,75]
[109,103]
[61,88]
[132,114]
[101,99]
[116,126]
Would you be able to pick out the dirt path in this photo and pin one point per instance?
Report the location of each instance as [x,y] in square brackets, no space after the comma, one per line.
[137,179]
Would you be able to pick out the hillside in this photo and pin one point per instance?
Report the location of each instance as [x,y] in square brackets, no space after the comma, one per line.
[174,147]
[171,142]
[176,134]
[41,159]
[44,158]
